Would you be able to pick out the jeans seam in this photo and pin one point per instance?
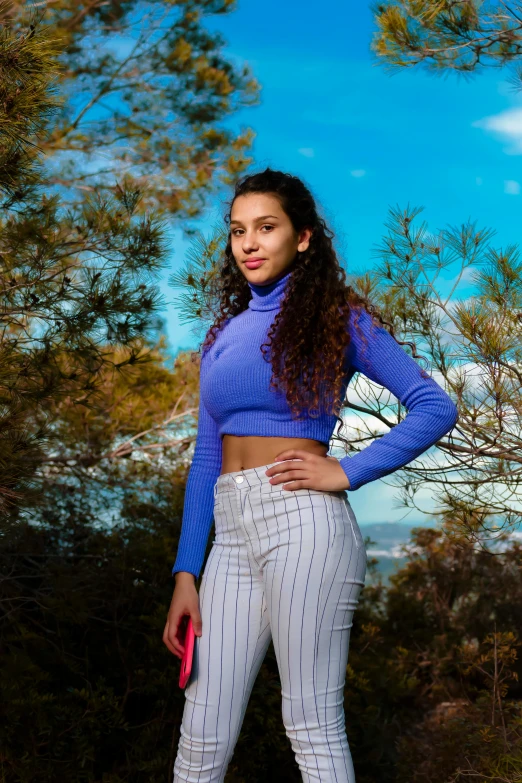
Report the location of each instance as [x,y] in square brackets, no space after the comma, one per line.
[350,512]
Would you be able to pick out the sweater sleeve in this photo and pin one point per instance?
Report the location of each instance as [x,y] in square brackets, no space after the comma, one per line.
[198,506]
[431,411]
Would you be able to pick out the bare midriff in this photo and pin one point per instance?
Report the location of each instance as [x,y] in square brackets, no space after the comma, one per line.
[251,451]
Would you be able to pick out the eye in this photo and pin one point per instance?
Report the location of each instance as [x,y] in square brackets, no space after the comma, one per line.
[235,230]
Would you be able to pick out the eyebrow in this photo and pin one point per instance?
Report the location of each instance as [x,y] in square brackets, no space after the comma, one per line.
[262,217]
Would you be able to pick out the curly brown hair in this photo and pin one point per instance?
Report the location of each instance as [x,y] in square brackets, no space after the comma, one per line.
[308,338]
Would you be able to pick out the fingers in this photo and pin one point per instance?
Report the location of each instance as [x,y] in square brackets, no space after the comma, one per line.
[196,622]
[175,628]
[286,475]
[173,646]
[171,636]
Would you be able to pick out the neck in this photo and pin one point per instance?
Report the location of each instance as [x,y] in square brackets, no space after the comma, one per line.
[270,295]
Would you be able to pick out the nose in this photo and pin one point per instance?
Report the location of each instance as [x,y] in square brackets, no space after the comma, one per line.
[249,242]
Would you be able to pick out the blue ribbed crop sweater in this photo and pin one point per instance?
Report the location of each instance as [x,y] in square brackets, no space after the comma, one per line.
[235,399]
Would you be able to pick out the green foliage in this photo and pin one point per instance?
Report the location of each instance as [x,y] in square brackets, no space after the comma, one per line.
[442,35]
[87,685]
[201,279]
[435,666]
[76,283]
[475,344]
[28,100]
[146,88]
[464,618]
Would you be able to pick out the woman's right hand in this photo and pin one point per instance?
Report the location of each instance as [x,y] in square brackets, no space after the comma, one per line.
[185,601]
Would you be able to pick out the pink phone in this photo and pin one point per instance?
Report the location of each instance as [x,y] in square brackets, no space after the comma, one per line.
[187,640]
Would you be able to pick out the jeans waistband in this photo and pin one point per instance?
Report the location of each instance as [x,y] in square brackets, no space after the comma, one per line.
[245,479]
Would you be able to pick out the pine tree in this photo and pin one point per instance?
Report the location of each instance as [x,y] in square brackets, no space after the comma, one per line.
[77,281]
[475,344]
[146,90]
[464,36]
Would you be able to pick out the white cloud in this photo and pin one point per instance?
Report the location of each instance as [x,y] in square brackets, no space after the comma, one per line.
[512,187]
[508,124]
[358,173]
[308,152]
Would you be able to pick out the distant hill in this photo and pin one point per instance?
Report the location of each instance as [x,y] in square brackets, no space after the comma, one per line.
[388,537]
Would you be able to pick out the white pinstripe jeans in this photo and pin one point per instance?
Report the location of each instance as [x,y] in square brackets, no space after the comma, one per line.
[286,565]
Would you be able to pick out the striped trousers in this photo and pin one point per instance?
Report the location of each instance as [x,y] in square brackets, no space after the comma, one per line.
[286,565]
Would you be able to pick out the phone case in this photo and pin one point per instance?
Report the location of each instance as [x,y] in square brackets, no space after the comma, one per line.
[186,661]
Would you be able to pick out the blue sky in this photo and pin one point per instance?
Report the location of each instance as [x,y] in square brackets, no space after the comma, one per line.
[364,141]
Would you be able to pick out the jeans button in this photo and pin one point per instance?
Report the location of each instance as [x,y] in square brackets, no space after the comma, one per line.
[239,479]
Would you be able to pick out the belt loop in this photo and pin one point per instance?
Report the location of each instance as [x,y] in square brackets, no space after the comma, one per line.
[215,490]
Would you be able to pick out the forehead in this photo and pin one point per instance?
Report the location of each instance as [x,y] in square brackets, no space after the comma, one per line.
[252,206]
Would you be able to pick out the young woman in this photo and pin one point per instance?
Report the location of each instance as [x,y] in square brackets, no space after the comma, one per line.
[288,561]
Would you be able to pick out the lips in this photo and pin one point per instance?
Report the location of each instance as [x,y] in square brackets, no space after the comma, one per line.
[254,263]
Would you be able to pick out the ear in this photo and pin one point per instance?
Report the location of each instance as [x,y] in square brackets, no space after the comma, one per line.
[304,239]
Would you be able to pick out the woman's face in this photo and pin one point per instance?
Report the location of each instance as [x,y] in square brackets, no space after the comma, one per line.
[259,228]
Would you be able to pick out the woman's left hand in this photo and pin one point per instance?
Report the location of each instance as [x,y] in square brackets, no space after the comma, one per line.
[308,471]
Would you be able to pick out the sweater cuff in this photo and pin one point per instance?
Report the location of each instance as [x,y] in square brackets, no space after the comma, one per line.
[356,477]
[190,562]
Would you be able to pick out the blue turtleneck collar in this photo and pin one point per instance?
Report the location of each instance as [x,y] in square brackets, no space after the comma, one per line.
[269,296]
